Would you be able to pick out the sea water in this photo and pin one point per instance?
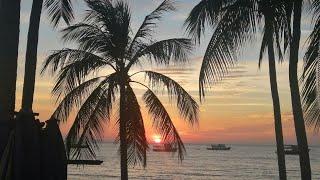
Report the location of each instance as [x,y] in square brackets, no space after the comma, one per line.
[242,162]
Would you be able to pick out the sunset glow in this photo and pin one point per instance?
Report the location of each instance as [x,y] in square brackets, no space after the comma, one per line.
[236,110]
[157,138]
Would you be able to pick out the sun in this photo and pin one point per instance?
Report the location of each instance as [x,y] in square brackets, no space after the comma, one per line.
[157,138]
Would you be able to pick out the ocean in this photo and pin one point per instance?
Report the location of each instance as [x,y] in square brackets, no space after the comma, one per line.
[242,162]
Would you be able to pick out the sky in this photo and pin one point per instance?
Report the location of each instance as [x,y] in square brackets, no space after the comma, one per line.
[236,110]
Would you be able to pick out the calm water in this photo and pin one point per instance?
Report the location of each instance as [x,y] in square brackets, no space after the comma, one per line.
[243,162]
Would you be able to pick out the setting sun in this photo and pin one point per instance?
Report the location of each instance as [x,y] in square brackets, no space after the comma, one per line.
[157,138]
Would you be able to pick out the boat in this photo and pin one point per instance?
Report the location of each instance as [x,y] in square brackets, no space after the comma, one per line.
[219,147]
[291,150]
[164,148]
[85,162]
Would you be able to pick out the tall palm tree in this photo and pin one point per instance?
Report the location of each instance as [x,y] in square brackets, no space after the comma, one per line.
[57,9]
[295,92]
[235,23]
[274,23]
[105,40]
[9,38]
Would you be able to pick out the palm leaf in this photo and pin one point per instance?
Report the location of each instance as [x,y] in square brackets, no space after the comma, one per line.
[236,27]
[87,127]
[146,29]
[114,17]
[59,9]
[310,80]
[75,98]
[90,37]
[186,105]
[163,123]
[162,52]
[61,58]
[136,138]
[276,27]
[205,12]
[74,65]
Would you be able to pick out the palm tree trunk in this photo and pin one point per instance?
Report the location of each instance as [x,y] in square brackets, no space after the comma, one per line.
[27,133]
[123,133]
[277,113]
[295,94]
[31,56]
[9,42]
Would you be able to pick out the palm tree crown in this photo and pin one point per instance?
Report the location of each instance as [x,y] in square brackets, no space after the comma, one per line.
[235,23]
[105,40]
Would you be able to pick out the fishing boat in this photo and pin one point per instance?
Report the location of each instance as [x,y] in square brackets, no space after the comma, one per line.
[85,162]
[219,147]
[164,148]
[291,149]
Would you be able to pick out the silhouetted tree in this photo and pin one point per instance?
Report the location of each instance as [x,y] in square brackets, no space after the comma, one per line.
[57,10]
[9,41]
[296,7]
[235,23]
[104,40]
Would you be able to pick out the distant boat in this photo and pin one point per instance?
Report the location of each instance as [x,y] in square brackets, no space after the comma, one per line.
[164,148]
[219,147]
[85,162]
[291,149]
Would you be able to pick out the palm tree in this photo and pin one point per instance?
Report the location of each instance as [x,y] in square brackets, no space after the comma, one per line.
[235,23]
[273,24]
[9,38]
[105,40]
[295,92]
[57,10]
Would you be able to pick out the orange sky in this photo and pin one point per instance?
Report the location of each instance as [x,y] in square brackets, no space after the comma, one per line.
[237,110]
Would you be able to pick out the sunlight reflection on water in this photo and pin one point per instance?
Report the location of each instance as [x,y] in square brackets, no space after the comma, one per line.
[243,162]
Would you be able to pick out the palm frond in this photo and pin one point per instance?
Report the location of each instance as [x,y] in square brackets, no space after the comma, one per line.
[75,98]
[136,137]
[90,37]
[99,11]
[310,80]
[315,6]
[276,26]
[237,26]
[174,50]
[146,29]
[187,106]
[310,95]
[59,9]
[61,58]
[205,12]
[114,17]
[163,123]
[88,124]
[73,65]
[264,46]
